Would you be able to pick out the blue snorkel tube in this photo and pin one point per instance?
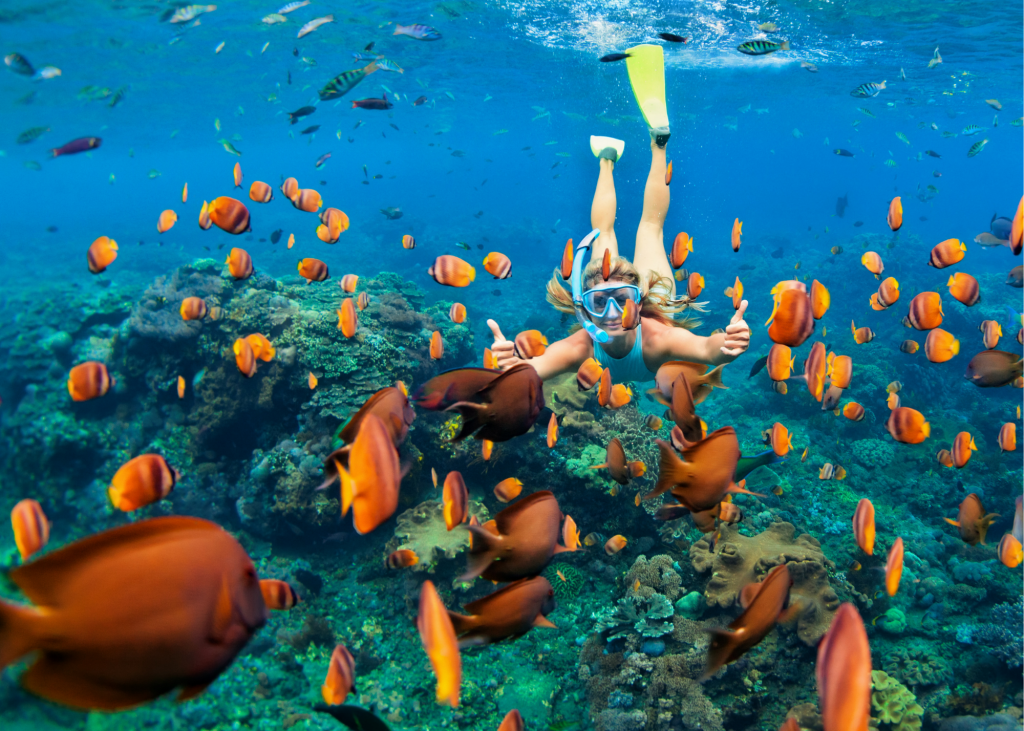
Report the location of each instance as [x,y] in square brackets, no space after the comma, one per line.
[596,333]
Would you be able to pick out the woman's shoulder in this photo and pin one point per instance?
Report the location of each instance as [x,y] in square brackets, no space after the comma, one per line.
[659,336]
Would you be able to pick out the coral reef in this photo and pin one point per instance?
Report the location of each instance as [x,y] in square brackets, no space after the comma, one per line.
[892,705]
[873,453]
[915,665]
[1002,637]
[736,560]
[422,529]
[567,586]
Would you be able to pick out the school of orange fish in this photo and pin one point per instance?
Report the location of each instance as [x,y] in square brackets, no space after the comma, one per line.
[203,600]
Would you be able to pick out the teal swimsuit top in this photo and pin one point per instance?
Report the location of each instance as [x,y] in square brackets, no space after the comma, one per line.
[630,367]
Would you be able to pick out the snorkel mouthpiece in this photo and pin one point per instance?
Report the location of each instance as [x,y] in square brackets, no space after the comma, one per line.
[591,329]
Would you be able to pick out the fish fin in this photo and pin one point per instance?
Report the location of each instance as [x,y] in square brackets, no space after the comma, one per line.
[17,637]
[542,621]
[714,378]
[471,420]
[656,395]
[562,549]
[736,488]
[791,613]
[192,691]
[599,466]
[222,613]
[462,623]
[669,467]
[747,594]
[53,680]
[723,643]
[348,488]
[484,548]
[952,522]
[472,642]
[984,524]
[758,366]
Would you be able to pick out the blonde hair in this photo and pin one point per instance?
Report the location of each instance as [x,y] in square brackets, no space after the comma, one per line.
[656,293]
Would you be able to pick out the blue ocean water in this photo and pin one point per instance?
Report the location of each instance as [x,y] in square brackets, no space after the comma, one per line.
[498,158]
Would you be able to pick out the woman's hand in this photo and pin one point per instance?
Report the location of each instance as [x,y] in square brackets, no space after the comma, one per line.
[737,334]
[503,350]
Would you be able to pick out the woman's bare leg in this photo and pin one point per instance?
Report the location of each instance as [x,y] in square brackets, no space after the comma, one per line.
[650,244]
[602,211]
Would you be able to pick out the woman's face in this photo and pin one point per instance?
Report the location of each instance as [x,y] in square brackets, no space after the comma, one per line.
[611,322]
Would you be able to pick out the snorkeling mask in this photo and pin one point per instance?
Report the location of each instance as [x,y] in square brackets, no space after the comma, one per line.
[601,301]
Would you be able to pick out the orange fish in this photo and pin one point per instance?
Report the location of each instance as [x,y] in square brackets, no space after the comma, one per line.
[498,265]
[333,223]
[31,528]
[681,248]
[790,724]
[861,335]
[945,457]
[486,447]
[792,322]
[947,253]
[864,526]
[909,346]
[1017,230]
[1008,437]
[260,192]
[620,396]
[925,311]
[278,595]
[736,293]
[963,445]
[940,346]
[261,347]
[403,558]
[132,638]
[101,254]
[991,332]
[239,264]
[433,476]
[341,677]
[803,456]
[571,534]
[291,240]
[89,380]
[438,637]
[290,188]
[894,567]
[972,520]
[166,221]
[766,603]
[184,193]
[490,359]
[895,216]
[552,431]
[892,401]
[1010,551]
[455,499]
[508,489]
[908,426]
[668,173]
[606,264]
[694,285]
[312,381]
[313,270]
[820,299]
[839,370]
[589,374]
[204,217]
[843,673]
[436,346]
[363,301]
[349,282]
[142,481]
[565,267]
[815,369]
[630,315]
[702,481]
[853,411]
[964,288]
[737,231]
[530,344]
[245,359]
[229,215]
[307,200]
[780,439]
[408,242]
[370,484]
[193,308]
[872,262]
[348,320]
[181,387]
[614,545]
[780,362]
[452,271]
[457,313]
[237,172]
[888,292]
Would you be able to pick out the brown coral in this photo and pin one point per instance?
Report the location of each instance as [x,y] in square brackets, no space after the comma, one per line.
[655,576]
[563,395]
[737,560]
[422,529]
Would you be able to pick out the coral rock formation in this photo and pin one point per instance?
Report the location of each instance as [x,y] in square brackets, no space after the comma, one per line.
[422,529]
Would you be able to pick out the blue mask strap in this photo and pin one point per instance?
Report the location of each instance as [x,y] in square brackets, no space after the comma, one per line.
[591,329]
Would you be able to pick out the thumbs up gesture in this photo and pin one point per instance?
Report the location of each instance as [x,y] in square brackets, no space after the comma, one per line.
[737,333]
[504,350]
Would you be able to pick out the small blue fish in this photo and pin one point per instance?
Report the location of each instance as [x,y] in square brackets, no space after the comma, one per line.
[418,31]
[971,129]
[867,90]
[362,56]
[198,378]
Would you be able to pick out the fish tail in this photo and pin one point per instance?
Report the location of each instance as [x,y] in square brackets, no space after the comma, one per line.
[785,46]
[471,418]
[714,378]
[462,623]
[669,470]
[17,635]
[371,67]
[722,645]
[484,547]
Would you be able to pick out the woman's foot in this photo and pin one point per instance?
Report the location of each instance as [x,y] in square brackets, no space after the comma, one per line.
[607,148]
[660,135]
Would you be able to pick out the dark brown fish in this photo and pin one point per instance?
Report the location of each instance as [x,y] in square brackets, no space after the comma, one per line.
[505,408]
[82,144]
[683,411]
[994,368]
[615,461]
[518,543]
[110,629]
[508,613]
[451,387]
[1016,277]
[702,480]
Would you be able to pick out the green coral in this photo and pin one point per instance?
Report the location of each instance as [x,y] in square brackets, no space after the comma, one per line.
[892,704]
[915,666]
[580,467]
[570,587]
[894,621]
[873,453]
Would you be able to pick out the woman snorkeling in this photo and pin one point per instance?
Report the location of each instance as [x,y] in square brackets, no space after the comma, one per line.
[598,301]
